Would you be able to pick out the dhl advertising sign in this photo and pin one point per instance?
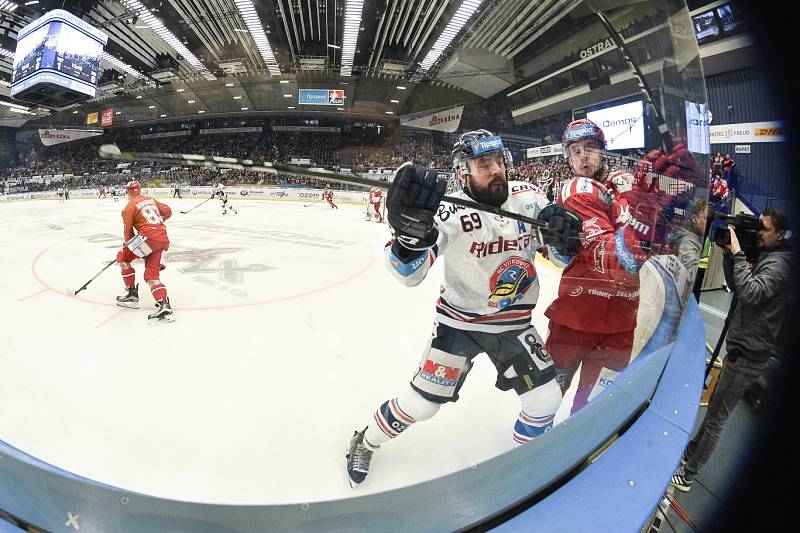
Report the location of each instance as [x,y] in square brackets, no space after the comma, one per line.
[750,132]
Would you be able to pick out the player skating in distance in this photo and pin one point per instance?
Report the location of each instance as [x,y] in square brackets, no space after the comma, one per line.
[218,191]
[374,205]
[327,195]
[489,290]
[145,238]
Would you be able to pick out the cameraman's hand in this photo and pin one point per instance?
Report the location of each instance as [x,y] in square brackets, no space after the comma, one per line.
[734,246]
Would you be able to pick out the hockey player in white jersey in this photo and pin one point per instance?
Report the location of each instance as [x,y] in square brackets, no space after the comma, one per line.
[489,289]
[218,191]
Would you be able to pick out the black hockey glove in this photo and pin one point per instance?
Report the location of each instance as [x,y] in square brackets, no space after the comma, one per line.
[411,203]
[563,226]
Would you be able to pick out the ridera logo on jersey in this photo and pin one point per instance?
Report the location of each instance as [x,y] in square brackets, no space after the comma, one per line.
[510,282]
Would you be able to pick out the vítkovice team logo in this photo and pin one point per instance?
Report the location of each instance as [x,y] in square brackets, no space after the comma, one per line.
[510,282]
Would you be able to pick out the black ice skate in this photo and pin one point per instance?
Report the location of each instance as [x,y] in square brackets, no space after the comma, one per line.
[359,454]
[130,298]
[162,314]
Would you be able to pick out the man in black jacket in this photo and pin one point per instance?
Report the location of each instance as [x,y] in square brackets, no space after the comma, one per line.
[762,290]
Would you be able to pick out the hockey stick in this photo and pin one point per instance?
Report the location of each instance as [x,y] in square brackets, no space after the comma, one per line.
[95,276]
[616,38]
[110,151]
[198,205]
[313,203]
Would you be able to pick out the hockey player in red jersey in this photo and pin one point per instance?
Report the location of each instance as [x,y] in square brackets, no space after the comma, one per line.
[593,318]
[328,196]
[145,238]
[374,207]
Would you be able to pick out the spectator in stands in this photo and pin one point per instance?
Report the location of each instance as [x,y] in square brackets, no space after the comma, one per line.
[716,165]
[719,189]
[728,169]
[762,291]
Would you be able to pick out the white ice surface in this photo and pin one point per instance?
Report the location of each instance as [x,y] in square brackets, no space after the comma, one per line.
[289,333]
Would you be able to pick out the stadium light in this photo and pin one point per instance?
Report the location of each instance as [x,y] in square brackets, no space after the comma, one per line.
[395,101]
[151,107]
[14,106]
[290,107]
[253,22]
[191,101]
[228,85]
[352,25]
[284,81]
[454,26]
[245,108]
[201,111]
[119,65]
[136,7]
[237,97]
[139,97]
[5,5]
[401,87]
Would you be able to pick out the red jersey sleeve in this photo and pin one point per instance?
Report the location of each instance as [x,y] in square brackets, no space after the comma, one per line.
[164,210]
[127,220]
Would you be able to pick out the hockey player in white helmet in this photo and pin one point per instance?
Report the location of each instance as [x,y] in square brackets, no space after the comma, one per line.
[489,289]
[219,191]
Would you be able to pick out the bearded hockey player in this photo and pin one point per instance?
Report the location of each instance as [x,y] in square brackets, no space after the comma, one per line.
[489,289]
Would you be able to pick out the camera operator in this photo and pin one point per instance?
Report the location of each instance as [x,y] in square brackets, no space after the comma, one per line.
[762,291]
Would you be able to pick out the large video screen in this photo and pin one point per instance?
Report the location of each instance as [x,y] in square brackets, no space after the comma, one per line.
[698,134]
[58,48]
[623,125]
[705,25]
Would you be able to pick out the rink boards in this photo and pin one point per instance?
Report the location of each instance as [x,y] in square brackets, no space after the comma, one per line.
[291,194]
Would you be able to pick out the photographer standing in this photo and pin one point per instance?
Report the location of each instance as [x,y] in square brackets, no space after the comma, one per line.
[762,291]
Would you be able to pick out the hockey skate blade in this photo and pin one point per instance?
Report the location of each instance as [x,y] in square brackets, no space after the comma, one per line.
[128,305]
[168,319]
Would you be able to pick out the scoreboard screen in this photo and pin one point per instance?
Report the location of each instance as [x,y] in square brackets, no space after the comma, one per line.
[61,49]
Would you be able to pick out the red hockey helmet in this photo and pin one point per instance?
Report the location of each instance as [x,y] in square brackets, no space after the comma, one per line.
[133,185]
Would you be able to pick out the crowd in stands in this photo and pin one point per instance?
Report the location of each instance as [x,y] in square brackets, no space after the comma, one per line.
[321,148]
[535,170]
[396,151]
[329,150]
[238,145]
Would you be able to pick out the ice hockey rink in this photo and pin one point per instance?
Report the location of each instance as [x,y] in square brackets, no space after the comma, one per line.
[289,332]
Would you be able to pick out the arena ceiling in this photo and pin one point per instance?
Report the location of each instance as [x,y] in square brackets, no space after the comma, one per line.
[168,59]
